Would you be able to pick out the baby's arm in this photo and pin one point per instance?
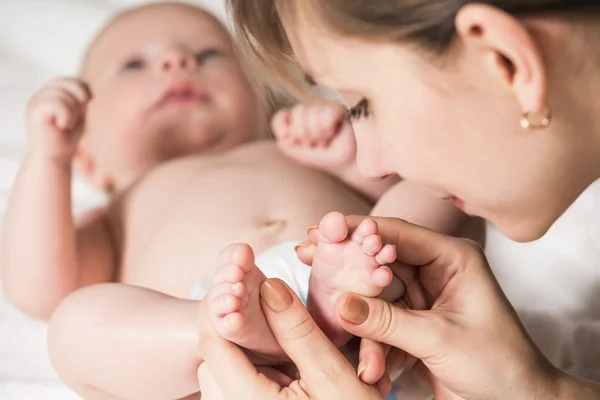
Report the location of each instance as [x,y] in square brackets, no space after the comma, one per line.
[43,257]
[320,135]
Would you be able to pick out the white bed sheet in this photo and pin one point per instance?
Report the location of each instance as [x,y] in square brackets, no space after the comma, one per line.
[40,39]
[554,282]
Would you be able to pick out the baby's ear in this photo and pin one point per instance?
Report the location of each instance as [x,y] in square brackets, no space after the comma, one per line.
[85,163]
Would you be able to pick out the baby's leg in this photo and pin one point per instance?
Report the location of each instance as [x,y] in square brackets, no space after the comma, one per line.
[234,302]
[348,263]
[414,204]
[114,341]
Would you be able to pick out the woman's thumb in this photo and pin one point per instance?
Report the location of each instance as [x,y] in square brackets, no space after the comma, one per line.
[413,331]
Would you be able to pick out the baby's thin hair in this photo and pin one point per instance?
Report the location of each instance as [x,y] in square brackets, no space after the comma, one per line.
[134,10]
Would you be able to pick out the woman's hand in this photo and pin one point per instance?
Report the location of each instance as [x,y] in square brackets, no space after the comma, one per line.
[469,340]
[226,372]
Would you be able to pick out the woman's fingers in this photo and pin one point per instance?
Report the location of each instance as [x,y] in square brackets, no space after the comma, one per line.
[297,333]
[380,321]
[322,366]
[371,367]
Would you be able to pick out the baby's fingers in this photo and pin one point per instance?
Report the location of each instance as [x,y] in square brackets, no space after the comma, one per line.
[59,111]
[331,118]
[76,88]
[280,124]
[300,124]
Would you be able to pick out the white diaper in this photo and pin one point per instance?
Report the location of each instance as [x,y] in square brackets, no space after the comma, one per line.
[278,262]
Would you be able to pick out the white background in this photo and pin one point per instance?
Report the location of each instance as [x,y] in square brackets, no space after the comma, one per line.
[554,283]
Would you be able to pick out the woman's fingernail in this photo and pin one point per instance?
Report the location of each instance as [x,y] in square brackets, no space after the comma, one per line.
[306,243]
[304,386]
[275,295]
[311,229]
[361,368]
[354,310]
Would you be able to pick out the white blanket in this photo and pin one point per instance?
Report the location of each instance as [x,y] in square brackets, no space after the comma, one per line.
[554,282]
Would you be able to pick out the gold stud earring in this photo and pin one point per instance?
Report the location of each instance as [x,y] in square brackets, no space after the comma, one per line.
[542,120]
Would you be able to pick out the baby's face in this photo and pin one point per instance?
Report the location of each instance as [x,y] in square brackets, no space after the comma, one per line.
[165,84]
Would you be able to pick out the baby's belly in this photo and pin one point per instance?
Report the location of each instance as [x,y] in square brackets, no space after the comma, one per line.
[177,240]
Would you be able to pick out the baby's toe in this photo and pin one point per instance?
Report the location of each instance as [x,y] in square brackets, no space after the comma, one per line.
[372,244]
[386,255]
[334,227]
[231,324]
[366,228]
[228,274]
[243,256]
[223,305]
[231,254]
[382,276]
[219,289]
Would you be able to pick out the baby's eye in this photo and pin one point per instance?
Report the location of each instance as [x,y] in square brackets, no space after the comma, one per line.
[361,110]
[134,64]
[204,55]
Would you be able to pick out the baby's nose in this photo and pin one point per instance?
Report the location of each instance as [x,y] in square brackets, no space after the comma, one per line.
[176,60]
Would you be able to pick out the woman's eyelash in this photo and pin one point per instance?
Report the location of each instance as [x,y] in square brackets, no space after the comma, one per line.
[361,110]
[206,54]
[134,64]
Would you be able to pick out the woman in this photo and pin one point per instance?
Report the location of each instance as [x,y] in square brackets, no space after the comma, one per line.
[494,106]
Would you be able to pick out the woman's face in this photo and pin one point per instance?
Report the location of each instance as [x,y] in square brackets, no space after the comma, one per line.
[451,124]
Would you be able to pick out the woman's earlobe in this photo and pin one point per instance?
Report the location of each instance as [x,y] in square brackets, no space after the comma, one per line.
[532,121]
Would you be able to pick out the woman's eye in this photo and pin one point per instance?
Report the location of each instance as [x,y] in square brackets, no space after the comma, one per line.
[361,110]
[206,54]
[134,65]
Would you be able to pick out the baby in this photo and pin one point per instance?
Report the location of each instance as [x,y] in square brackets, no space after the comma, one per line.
[164,120]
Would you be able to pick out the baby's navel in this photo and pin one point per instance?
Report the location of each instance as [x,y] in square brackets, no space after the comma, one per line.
[272,226]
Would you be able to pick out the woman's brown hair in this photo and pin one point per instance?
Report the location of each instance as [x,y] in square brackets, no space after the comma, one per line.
[426,23]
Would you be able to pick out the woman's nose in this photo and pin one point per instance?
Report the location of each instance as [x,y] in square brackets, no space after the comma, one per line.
[370,160]
[176,60]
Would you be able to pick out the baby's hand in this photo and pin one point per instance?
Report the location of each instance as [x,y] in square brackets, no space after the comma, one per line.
[319,135]
[55,117]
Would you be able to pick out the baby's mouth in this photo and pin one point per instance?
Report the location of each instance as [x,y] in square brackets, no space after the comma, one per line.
[182,94]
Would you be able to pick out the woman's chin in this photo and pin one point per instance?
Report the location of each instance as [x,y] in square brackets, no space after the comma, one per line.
[523,230]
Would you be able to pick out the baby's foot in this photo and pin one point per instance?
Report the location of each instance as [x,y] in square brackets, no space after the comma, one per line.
[234,299]
[346,264]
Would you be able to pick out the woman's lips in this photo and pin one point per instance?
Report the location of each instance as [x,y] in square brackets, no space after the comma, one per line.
[458,203]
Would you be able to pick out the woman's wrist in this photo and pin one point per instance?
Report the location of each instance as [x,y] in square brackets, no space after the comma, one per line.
[554,384]
[573,388]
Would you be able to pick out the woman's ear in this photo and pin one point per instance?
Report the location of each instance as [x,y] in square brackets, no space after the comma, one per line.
[516,57]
